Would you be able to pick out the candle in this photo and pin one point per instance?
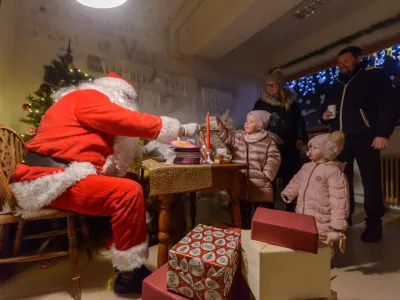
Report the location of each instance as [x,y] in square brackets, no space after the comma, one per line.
[208,136]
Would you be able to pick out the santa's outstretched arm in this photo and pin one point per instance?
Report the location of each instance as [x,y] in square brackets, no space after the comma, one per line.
[96,111]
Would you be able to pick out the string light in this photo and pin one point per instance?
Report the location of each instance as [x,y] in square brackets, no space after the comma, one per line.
[307,84]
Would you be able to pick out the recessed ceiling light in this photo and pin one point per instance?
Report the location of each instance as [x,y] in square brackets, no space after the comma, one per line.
[308,8]
[102,4]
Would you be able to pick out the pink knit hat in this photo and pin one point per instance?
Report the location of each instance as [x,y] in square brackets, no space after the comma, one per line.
[330,145]
[261,117]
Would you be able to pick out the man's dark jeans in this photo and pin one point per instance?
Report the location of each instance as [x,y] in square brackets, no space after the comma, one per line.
[358,147]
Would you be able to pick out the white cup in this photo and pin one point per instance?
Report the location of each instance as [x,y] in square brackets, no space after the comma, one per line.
[332,109]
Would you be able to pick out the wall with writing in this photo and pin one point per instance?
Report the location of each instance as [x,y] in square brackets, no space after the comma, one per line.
[131,39]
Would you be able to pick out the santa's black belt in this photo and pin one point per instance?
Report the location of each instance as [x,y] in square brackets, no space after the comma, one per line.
[38,160]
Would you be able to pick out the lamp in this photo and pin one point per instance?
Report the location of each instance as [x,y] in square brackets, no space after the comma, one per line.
[103,4]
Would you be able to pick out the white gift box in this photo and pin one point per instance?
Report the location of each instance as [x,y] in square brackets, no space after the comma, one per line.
[278,273]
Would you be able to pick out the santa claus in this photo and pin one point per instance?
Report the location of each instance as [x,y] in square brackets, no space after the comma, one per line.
[85,143]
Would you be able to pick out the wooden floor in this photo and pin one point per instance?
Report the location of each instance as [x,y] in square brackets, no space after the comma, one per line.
[365,272]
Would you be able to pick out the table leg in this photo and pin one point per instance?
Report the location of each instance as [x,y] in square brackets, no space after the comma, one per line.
[234,193]
[193,212]
[164,227]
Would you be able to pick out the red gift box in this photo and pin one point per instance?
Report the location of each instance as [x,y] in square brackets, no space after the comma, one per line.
[202,265]
[285,229]
[154,287]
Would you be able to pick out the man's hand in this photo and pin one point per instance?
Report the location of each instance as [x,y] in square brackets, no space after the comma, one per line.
[380,143]
[327,115]
[190,129]
[299,144]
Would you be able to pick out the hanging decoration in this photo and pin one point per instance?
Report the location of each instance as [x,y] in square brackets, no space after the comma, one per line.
[31,131]
[137,73]
[344,41]
[217,100]
[26,107]
[149,100]
[180,84]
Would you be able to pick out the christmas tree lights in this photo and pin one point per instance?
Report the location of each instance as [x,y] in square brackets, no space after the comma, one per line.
[60,73]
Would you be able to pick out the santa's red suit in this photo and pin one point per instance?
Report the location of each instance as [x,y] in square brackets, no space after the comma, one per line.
[95,128]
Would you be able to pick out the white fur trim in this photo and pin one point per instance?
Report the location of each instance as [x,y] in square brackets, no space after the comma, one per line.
[130,259]
[117,84]
[35,194]
[171,129]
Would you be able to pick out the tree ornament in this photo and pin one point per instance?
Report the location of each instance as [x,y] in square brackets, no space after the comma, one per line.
[26,107]
[31,131]
[67,56]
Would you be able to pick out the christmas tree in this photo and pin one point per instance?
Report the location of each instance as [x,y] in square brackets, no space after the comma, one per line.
[60,73]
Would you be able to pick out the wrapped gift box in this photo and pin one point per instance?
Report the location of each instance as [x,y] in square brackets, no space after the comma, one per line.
[202,265]
[285,229]
[154,287]
[278,273]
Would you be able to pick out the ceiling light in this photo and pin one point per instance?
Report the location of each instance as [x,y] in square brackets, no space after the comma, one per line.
[103,4]
[306,10]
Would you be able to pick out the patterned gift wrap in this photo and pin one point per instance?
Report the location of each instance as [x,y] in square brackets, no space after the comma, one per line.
[202,265]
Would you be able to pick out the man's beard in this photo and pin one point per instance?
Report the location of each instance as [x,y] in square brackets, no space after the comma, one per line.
[346,72]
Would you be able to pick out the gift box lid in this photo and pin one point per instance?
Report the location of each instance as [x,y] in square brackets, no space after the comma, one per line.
[285,219]
[285,229]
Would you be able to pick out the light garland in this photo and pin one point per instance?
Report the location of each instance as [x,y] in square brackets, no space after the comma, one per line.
[307,84]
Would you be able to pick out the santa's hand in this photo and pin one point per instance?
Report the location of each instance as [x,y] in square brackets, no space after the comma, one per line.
[190,129]
[151,146]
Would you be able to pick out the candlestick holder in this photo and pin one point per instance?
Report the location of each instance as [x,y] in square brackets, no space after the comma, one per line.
[209,156]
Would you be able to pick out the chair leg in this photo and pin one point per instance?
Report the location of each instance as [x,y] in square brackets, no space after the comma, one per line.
[18,238]
[86,237]
[193,209]
[73,257]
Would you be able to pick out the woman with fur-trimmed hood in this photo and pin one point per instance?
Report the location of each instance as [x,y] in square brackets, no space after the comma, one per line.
[286,121]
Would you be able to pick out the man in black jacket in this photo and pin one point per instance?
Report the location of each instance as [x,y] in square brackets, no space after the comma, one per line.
[367,112]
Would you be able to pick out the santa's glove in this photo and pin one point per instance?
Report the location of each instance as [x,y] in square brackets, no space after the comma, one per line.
[190,129]
[150,147]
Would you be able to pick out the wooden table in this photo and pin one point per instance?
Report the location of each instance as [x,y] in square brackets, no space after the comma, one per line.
[224,176]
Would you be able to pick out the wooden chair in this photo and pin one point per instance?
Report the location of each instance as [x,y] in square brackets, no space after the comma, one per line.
[12,149]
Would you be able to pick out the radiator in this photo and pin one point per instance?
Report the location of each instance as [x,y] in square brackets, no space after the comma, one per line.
[390,172]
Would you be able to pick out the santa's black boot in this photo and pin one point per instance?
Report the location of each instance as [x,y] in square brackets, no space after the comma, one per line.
[131,282]
[373,231]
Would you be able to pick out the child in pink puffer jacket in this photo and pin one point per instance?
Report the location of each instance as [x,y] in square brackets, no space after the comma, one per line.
[321,188]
